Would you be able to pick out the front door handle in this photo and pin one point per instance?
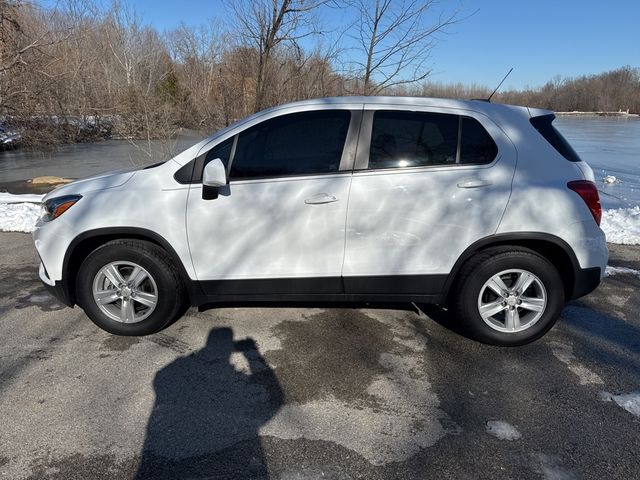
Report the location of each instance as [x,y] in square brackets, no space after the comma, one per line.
[474,183]
[320,199]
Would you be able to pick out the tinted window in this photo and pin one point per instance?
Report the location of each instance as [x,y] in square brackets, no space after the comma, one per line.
[415,139]
[544,125]
[410,139]
[222,151]
[300,143]
[476,144]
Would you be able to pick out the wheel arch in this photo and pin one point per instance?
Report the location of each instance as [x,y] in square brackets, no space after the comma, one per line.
[551,247]
[86,242]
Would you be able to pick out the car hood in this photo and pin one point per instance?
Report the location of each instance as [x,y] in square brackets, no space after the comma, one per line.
[93,183]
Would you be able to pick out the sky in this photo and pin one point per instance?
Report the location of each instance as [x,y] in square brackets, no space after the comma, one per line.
[539,38]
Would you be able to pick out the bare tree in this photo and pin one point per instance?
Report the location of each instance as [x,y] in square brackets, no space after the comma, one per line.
[394,40]
[123,38]
[24,39]
[267,24]
[198,51]
[78,71]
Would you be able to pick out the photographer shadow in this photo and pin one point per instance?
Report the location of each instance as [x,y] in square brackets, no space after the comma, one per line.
[208,410]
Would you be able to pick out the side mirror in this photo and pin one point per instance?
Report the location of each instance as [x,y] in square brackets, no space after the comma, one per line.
[214,176]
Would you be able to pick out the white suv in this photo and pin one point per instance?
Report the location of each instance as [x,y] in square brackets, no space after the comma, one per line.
[479,207]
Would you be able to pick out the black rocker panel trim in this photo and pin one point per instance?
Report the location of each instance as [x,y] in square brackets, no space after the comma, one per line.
[273,286]
[310,300]
[395,284]
[369,285]
[396,288]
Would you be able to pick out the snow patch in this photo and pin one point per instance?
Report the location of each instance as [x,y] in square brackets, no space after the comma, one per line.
[19,213]
[610,179]
[610,271]
[622,225]
[564,353]
[502,430]
[18,217]
[27,197]
[630,401]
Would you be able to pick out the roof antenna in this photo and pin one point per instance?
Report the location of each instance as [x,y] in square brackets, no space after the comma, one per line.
[500,84]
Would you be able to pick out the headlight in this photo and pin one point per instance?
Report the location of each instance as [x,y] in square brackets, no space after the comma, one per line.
[54,207]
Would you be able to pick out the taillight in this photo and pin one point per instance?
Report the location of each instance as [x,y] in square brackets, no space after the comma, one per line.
[589,193]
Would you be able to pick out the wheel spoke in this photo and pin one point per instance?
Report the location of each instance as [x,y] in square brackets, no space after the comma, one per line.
[532,304]
[105,297]
[138,275]
[497,285]
[113,274]
[490,309]
[146,299]
[512,319]
[524,281]
[127,312]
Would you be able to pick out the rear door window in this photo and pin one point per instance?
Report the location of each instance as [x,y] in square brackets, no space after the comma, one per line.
[416,139]
[410,139]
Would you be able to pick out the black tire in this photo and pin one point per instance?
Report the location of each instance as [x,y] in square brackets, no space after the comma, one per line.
[484,265]
[170,290]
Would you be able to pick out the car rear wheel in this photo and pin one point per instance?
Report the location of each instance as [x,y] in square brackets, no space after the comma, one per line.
[130,287]
[508,296]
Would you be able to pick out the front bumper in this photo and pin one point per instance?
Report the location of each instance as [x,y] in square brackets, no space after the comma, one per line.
[57,289]
[52,239]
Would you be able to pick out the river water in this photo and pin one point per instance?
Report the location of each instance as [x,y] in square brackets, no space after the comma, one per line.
[610,145]
[84,159]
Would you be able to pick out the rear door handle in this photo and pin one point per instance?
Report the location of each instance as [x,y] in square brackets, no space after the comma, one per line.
[320,199]
[474,183]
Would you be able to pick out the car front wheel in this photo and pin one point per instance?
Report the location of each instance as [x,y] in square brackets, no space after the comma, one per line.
[130,287]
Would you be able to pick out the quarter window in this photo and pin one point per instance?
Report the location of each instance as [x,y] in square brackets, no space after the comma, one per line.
[192,171]
[416,139]
[295,144]
[476,145]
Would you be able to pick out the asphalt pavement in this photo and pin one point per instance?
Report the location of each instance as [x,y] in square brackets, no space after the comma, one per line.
[306,393]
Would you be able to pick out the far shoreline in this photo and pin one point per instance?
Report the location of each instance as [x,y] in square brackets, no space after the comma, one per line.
[577,113]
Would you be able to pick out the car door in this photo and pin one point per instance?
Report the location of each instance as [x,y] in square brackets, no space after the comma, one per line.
[278,226]
[426,185]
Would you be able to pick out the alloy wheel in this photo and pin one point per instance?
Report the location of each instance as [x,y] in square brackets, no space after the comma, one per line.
[512,301]
[125,292]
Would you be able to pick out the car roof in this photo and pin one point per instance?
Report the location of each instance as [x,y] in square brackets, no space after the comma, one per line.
[476,105]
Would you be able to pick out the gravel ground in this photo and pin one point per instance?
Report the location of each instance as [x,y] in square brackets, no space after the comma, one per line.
[293,393]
